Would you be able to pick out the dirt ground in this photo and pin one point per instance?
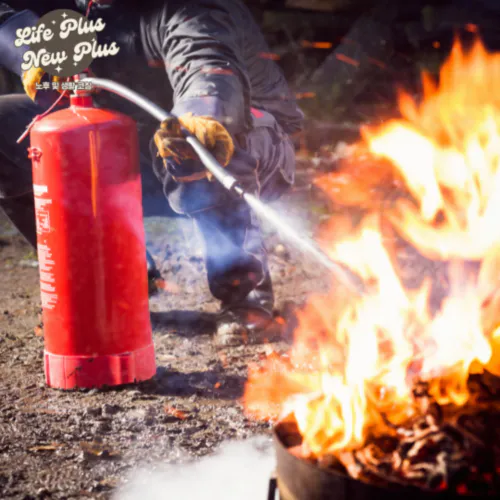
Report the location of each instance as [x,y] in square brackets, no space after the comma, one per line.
[82,444]
[56,444]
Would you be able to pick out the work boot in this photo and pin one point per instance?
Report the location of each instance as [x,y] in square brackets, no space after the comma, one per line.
[238,273]
[249,321]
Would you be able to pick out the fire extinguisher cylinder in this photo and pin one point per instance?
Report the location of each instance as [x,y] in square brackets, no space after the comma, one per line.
[91,248]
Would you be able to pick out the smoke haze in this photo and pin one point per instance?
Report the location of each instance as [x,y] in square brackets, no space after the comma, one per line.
[239,470]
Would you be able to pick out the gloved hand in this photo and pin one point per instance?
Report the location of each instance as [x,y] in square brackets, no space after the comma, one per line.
[213,135]
[33,76]
[44,98]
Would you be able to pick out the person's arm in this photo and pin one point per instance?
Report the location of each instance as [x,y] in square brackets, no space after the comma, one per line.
[11,57]
[202,51]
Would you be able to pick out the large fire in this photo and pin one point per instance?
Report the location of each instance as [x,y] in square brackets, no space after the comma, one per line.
[430,182]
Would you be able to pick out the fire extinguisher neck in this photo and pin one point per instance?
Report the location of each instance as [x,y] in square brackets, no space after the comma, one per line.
[82,101]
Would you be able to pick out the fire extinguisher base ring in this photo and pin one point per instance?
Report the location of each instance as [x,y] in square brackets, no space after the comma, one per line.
[93,372]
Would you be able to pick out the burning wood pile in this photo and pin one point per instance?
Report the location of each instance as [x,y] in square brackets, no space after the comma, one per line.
[437,450]
[400,387]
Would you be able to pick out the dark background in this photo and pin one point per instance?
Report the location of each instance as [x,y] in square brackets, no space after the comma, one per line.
[390,42]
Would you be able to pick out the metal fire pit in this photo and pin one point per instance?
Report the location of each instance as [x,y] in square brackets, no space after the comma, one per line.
[298,479]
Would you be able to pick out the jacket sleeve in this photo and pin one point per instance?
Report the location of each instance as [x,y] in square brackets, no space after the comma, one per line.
[202,52]
[11,57]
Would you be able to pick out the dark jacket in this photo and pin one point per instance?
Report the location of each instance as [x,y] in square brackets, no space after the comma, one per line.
[215,56]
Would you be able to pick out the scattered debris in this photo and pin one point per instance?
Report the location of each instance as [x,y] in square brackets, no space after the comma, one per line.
[98,450]
[174,412]
[46,447]
[110,409]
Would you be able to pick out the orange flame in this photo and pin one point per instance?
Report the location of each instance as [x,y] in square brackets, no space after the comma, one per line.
[430,183]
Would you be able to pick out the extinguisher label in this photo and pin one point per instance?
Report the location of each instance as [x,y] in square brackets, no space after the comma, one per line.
[42,215]
[46,262]
[46,265]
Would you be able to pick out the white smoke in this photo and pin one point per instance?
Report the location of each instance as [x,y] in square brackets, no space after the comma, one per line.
[239,470]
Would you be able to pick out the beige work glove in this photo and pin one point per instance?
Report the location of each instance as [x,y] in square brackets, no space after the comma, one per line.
[172,144]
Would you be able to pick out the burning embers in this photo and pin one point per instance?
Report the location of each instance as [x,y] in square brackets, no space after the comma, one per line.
[391,386]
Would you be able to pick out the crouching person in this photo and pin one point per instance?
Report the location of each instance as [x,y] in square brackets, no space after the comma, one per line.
[228,94]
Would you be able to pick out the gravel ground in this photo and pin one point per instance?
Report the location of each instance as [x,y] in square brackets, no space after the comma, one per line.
[56,444]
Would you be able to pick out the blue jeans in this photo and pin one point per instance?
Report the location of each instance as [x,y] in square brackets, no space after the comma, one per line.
[235,258]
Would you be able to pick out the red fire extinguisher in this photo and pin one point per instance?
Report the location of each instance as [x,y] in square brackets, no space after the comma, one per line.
[91,247]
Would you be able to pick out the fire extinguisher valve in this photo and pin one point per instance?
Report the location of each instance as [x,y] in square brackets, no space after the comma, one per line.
[81,97]
[81,100]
